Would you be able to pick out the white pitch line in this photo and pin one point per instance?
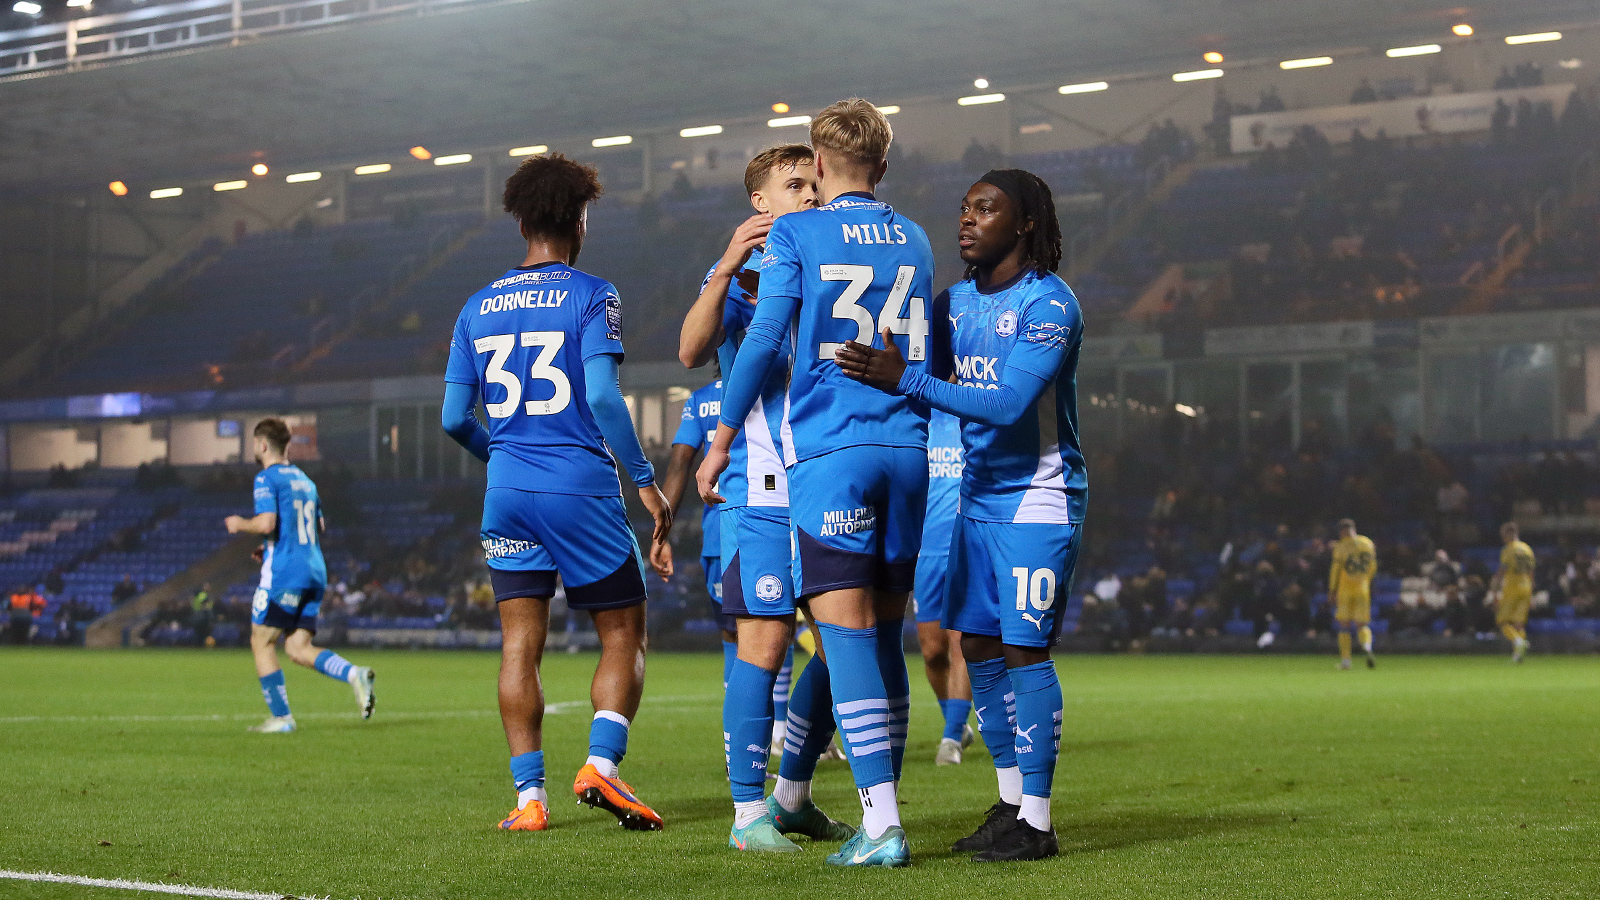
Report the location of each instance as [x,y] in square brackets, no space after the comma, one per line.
[182,890]
[564,706]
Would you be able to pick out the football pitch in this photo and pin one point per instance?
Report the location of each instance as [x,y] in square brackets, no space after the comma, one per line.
[1180,776]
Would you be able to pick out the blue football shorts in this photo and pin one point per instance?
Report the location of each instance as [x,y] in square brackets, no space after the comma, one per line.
[758,579]
[286,610]
[529,537]
[933,567]
[857,516]
[713,569]
[1009,580]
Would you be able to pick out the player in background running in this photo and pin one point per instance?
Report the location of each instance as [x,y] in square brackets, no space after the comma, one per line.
[288,513]
[1009,333]
[541,345]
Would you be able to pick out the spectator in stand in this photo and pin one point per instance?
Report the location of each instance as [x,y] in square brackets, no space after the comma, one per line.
[1364,93]
[21,614]
[124,590]
[1270,101]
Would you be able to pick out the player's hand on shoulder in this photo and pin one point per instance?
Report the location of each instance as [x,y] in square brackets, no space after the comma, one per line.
[749,235]
[880,368]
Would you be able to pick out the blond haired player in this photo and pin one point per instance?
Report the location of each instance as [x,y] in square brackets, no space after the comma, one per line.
[1355,561]
[1512,590]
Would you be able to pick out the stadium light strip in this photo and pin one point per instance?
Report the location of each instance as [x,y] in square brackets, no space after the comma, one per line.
[298,177]
[620,140]
[888,110]
[1419,50]
[980,99]
[377,169]
[164,193]
[700,131]
[27,7]
[1199,75]
[230,186]
[534,150]
[1085,88]
[452,160]
[786,121]
[1539,38]
[1309,62]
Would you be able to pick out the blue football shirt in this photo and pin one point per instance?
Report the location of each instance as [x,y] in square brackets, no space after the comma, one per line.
[292,559]
[841,272]
[698,426]
[523,341]
[759,456]
[1033,469]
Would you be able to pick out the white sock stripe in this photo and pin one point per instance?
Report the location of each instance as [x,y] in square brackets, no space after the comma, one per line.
[850,706]
[869,748]
[796,722]
[867,734]
[616,717]
[862,721]
[792,747]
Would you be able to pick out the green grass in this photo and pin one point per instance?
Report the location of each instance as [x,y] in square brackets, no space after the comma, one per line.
[1179,777]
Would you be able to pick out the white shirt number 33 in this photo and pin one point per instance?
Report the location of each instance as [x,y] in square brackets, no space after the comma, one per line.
[499,347]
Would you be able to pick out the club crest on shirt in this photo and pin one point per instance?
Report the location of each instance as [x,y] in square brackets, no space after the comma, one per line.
[1006,324]
[769,588]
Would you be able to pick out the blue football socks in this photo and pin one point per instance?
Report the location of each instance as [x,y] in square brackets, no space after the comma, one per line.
[993,700]
[781,688]
[955,717]
[897,683]
[810,727]
[1038,703]
[276,693]
[527,770]
[747,728]
[860,703]
[333,665]
[608,738]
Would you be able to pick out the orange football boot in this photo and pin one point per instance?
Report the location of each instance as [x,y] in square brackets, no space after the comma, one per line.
[533,817]
[614,796]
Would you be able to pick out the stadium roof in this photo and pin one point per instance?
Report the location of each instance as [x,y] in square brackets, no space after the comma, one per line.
[543,70]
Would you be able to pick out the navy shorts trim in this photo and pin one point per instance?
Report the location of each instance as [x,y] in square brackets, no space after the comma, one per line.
[509,585]
[619,590]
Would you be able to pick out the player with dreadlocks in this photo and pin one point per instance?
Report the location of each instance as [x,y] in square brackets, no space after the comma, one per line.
[1009,333]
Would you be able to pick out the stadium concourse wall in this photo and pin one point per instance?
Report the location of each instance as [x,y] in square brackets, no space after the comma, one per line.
[1450,380]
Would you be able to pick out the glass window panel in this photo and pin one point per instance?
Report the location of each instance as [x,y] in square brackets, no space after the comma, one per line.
[1269,404]
[1519,392]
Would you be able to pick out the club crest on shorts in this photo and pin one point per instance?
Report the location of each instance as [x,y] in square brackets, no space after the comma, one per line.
[1006,325]
[768,588]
